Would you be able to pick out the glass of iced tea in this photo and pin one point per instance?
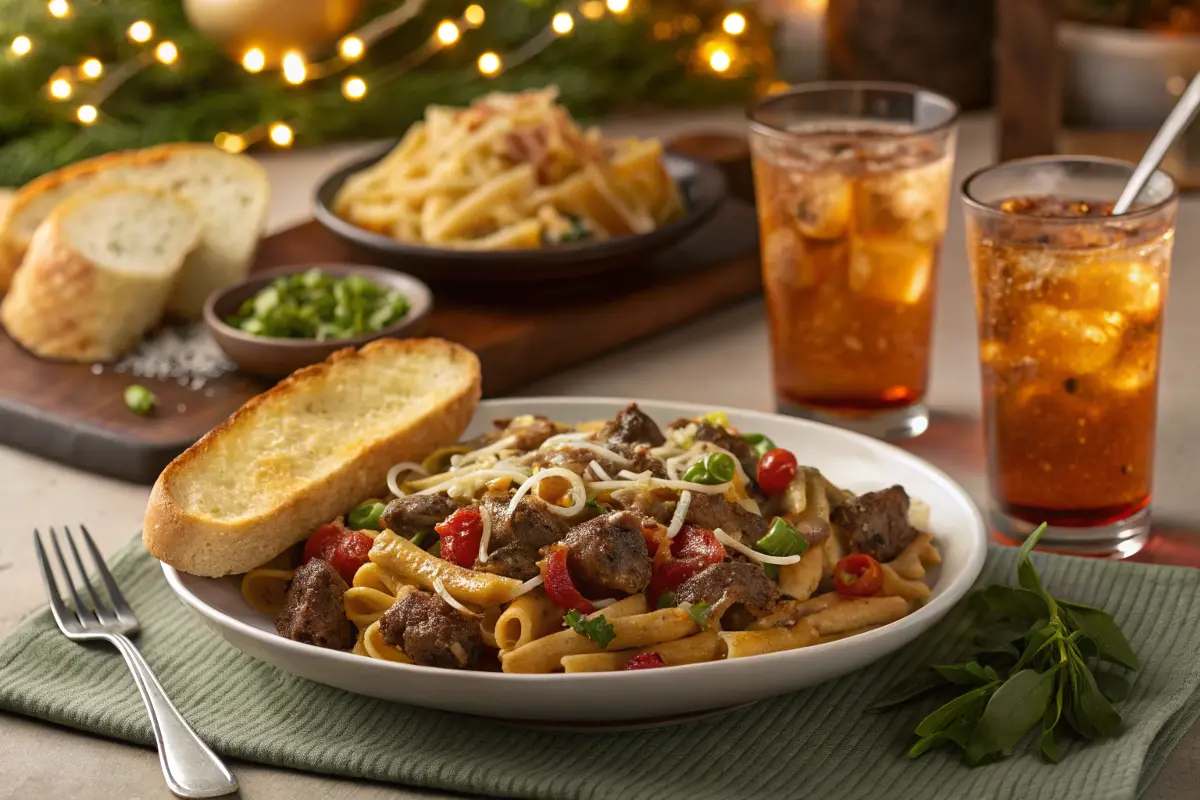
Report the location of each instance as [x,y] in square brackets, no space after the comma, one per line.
[852,183]
[1070,306]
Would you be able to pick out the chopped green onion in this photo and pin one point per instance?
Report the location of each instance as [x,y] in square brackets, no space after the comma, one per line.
[761,444]
[139,399]
[720,466]
[419,538]
[314,305]
[700,613]
[365,516]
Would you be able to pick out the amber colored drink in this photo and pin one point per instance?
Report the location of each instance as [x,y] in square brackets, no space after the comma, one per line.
[851,217]
[1070,302]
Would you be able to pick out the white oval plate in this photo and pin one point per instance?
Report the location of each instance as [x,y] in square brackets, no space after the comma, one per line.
[848,459]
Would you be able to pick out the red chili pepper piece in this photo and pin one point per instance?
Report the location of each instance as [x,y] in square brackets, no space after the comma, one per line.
[559,586]
[692,549]
[858,575]
[460,534]
[645,661]
[346,550]
[775,470]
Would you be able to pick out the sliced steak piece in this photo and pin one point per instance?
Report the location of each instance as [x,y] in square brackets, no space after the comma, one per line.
[515,542]
[741,449]
[646,502]
[530,432]
[713,511]
[876,523]
[313,612]
[632,426]
[577,459]
[608,554]
[406,516]
[432,632]
[731,583]
[642,460]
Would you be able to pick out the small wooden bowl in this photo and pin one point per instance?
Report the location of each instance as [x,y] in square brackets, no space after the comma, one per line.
[275,357]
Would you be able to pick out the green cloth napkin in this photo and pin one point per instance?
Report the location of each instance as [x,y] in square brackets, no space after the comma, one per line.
[816,743]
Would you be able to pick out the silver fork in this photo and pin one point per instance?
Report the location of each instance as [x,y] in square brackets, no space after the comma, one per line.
[190,767]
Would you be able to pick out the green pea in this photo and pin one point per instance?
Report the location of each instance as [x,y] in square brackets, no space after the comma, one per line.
[720,466]
[365,516]
[139,399]
[698,474]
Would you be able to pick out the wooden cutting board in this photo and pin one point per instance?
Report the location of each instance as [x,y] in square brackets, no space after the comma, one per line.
[68,413]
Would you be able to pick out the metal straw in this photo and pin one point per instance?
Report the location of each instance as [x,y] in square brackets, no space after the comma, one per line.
[1177,121]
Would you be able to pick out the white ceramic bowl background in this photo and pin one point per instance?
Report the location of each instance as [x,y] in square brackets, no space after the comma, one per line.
[849,460]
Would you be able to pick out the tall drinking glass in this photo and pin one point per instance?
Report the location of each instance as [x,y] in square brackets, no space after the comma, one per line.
[852,182]
[1070,305]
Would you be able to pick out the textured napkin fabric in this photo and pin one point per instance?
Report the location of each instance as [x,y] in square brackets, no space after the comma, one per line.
[820,743]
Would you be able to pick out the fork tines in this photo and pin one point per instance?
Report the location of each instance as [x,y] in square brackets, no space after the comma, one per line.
[115,612]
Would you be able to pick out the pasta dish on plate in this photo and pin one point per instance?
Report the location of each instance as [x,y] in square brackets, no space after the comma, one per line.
[545,547]
[511,171]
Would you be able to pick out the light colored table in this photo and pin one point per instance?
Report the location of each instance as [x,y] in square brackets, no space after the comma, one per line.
[721,360]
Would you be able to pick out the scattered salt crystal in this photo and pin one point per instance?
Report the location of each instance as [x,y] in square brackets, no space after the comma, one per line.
[97,369]
[186,353]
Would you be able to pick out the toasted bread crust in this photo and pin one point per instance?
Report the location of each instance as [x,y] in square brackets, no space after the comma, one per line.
[200,545]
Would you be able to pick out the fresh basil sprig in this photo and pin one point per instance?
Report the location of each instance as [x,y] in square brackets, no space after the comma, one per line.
[1037,661]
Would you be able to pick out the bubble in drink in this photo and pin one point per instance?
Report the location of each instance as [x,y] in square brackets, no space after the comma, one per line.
[1131,287]
[1074,341]
[891,270]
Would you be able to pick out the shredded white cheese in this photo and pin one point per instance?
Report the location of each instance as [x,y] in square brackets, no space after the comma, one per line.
[578,491]
[475,455]
[485,515]
[459,653]
[598,471]
[440,588]
[659,483]
[559,438]
[762,558]
[681,509]
[605,603]
[471,480]
[394,474]
[527,586]
[603,452]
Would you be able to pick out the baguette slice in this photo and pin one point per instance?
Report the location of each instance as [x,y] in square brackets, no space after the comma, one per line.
[230,193]
[99,272]
[307,451]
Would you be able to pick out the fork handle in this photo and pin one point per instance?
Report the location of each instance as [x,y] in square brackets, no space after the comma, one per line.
[190,767]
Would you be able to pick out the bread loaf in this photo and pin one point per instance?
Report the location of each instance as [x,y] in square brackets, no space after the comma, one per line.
[307,451]
[99,271]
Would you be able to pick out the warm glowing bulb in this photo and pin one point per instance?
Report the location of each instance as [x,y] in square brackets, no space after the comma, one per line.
[618,6]
[91,68]
[489,63]
[719,60]
[294,70]
[354,88]
[230,142]
[562,23]
[592,9]
[141,31]
[447,32]
[58,8]
[166,52]
[253,60]
[351,48]
[60,89]
[21,45]
[734,23]
[281,134]
[86,114]
[474,15]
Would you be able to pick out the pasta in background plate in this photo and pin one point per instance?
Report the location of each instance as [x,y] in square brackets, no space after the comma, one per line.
[511,171]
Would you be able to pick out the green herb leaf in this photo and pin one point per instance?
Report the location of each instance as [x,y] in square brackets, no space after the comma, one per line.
[598,629]
[1049,747]
[1016,707]
[1113,686]
[700,613]
[1101,628]
[952,711]
[1012,602]
[958,733]
[1094,706]
[968,674]
[668,599]
[1026,573]
[906,690]
[596,505]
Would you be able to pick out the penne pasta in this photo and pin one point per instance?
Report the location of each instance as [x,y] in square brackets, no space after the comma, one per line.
[529,617]
[695,649]
[487,625]
[265,589]
[372,576]
[857,613]
[740,644]
[800,580]
[402,558]
[913,560]
[833,637]
[639,630]
[365,605]
[896,586]
[787,612]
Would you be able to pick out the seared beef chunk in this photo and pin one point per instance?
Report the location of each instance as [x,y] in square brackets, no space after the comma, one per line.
[313,612]
[646,502]
[432,632]
[577,459]
[531,432]
[513,548]
[713,511]
[641,458]
[876,523]
[731,582]
[741,449]
[633,427]
[406,516]
[608,554]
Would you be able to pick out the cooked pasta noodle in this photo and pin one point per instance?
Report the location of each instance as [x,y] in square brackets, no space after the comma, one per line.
[527,618]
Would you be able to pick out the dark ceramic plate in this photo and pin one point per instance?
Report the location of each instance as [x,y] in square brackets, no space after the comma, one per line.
[701,184]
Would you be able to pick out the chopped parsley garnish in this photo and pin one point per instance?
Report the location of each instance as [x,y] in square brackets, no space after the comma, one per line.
[700,613]
[597,629]
[596,505]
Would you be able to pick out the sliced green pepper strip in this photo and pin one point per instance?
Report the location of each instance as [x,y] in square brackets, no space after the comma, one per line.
[365,516]
[781,540]
[720,466]
[698,474]
[760,444]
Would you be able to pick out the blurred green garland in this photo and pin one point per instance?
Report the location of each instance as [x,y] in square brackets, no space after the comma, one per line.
[612,63]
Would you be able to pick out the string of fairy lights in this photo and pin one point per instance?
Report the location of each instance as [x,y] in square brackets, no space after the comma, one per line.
[91,82]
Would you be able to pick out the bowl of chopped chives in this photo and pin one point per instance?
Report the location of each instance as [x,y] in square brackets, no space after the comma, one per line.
[279,320]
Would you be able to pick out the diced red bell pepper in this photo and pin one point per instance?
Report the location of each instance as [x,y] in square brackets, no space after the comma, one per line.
[692,549]
[645,661]
[460,534]
[344,549]
[558,584]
